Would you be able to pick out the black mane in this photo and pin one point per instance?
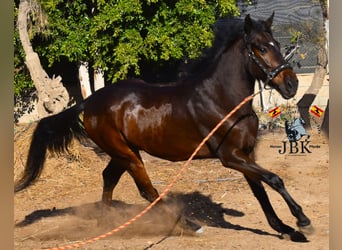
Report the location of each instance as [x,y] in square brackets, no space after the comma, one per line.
[226,32]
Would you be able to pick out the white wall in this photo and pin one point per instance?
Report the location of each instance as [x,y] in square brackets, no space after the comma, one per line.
[304,84]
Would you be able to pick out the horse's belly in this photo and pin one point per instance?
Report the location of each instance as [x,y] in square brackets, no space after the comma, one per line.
[172,147]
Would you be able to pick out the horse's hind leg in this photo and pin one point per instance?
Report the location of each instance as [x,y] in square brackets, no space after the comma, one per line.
[111,176]
[147,191]
[134,166]
[138,172]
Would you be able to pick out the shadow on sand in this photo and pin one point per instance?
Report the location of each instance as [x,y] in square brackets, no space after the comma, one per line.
[91,219]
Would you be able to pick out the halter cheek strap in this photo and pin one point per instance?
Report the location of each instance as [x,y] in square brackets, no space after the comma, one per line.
[270,74]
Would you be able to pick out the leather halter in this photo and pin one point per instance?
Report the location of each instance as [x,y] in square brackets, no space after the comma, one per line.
[271,74]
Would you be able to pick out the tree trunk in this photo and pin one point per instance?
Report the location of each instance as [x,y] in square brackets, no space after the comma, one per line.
[52,96]
[98,79]
[85,84]
[83,75]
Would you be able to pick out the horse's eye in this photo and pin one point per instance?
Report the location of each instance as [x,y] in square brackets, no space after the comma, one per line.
[262,50]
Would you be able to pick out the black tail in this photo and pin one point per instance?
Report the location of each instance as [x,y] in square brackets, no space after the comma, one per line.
[54,133]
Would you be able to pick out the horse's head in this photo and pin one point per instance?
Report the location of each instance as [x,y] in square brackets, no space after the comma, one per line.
[266,61]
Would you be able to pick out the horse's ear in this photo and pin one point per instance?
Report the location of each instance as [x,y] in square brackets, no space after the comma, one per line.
[248,24]
[269,21]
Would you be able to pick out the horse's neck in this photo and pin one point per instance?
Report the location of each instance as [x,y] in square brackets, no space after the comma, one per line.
[231,75]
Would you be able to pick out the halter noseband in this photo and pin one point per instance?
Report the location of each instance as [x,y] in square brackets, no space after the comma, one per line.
[270,74]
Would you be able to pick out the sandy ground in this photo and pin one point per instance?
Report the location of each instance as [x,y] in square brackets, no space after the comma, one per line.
[62,207]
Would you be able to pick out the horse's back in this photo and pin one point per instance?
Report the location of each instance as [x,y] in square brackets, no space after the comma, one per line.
[143,116]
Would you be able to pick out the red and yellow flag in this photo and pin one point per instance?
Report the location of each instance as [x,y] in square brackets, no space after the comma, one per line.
[274,112]
[316,111]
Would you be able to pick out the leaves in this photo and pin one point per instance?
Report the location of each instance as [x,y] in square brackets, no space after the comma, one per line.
[118,35]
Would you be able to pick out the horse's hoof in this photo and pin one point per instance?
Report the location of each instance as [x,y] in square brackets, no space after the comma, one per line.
[193,227]
[200,230]
[285,237]
[307,230]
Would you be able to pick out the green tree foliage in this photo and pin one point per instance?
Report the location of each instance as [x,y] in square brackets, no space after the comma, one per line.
[117,35]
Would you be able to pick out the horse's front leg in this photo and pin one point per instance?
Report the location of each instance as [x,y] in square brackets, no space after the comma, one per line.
[254,174]
[272,218]
[274,181]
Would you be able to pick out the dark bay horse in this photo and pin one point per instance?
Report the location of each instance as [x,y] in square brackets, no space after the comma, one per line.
[170,121]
